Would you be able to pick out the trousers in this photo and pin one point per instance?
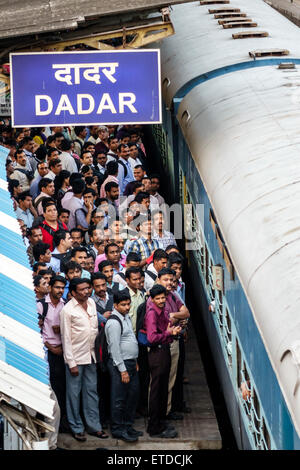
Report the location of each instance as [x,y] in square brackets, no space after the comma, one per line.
[124,397]
[159,364]
[85,382]
[174,351]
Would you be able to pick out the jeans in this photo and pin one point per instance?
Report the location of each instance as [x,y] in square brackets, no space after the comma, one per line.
[85,382]
[124,397]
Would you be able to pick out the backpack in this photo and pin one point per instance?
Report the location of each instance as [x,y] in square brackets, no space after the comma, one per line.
[141,333]
[64,258]
[125,168]
[45,309]
[151,274]
[28,173]
[50,229]
[101,350]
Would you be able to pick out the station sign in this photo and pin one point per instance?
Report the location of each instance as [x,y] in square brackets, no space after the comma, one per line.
[85,88]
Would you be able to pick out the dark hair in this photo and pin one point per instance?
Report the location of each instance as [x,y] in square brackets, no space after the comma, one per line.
[78,129]
[76,282]
[47,271]
[136,185]
[112,168]
[78,186]
[78,249]
[57,278]
[121,296]
[58,236]
[29,230]
[59,179]
[38,264]
[108,246]
[159,254]
[165,271]
[44,183]
[36,280]
[12,184]
[58,135]
[52,149]
[97,275]
[103,264]
[22,196]
[75,229]
[89,191]
[65,145]
[157,289]
[132,270]
[89,180]
[54,162]
[61,210]
[47,203]
[141,195]
[85,169]
[120,146]
[74,177]
[71,265]
[108,187]
[132,256]
[169,247]
[175,258]
[39,249]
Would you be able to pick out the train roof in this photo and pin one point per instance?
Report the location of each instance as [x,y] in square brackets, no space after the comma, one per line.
[242,126]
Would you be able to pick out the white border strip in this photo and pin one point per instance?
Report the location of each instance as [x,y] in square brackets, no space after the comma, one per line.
[16,272]
[22,335]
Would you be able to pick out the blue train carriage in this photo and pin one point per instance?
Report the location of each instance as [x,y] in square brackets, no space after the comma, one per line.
[230,141]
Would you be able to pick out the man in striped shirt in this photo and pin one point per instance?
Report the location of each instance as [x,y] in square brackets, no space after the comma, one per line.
[144,245]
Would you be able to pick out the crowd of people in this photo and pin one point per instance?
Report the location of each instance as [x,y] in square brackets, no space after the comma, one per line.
[107,277]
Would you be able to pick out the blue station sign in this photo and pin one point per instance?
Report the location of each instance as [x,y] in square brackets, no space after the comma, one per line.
[85,88]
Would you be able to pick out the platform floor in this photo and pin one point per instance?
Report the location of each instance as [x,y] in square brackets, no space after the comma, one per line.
[198,430]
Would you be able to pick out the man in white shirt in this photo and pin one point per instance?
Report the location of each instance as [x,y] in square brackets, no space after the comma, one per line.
[79,328]
[67,161]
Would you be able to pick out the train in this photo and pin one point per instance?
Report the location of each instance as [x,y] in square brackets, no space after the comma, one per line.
[230,144]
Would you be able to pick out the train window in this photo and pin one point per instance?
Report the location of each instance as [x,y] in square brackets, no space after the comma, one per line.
[232,19]
[241,24]
[224,10]
[269,52]
[228,337]
[250,34]
[230,13]
[209,2]
[206,265]
[266,441]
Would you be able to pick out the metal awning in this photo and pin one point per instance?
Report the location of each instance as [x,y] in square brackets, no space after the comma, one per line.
[23,367]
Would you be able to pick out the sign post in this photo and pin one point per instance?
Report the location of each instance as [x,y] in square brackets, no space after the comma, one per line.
[85,88]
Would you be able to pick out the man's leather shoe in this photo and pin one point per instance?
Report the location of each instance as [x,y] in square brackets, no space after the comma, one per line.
[124,436]
[133,432]
[166,434]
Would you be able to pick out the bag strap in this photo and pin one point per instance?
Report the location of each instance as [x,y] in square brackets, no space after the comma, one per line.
[151,274]
[114,317]
[45,308]
[124,166]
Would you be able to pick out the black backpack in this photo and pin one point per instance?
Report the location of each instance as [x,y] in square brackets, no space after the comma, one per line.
[28,173]
[151,274]
[50,229]
[101,350]
[45,309]
[125,168]
[140,316]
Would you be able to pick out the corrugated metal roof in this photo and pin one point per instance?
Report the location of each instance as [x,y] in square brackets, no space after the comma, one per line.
[23,367]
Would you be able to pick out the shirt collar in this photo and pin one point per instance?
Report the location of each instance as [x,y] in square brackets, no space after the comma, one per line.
[155,307]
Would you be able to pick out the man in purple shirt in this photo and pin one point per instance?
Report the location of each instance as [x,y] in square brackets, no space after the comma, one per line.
[160,334]
[49,310]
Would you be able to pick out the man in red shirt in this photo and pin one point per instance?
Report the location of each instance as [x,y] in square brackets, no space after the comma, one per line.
[50,224]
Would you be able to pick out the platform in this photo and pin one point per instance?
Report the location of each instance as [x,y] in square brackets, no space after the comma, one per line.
[198,430]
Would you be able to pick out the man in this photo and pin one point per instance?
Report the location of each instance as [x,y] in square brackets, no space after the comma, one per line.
[132,261]
[49,311]
[34,236]
[106,268]
[101,164]
[112,194]
[133,279]
[61,254]
[79,328]
[143,199]
[74,203]
[144,246]
[55,168]
[102,146]
[160,260]
[81,133]
[147,188]
[125,174]
[175,262]
[63,216]
[160,334]
[41,287]
[50,224]
[155,185]
[122,365]
[77,236]
[112,252]
[68,162]
[41,253]
[72,270]
[43,170]
[103,300]
[176,311]
[113,144]
[79,255]
[96,240]
[94,135]
[83,215]
[134,155]
[26,211]
[22,171]
[163,237]
[47,190]
[138,173]
[90,263]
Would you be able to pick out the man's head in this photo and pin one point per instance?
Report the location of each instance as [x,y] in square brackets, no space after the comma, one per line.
[37,267]
[112,190]
[103,133]
[42,169]
[160,259]
[122,302]
[79,288]
[25,200]
[41,252]
[79,255]
[57,287]
[138,172]
[102,159]
[72,270]
[120,241]
[34,235]
[155,183]
[47,274]
[175,262]
[166,277]
[106,268]
[41,286]
[172,249]
[94,131]
[145,226]
[78,186]
[80,131]
[89,147]
[133,150]
[147,184]
[46,186]
[89,196]
[64,215]
[62,239]
[77,236]
[27,143]
[143,198]
[112,252]
[123,151]
[55,166]
[58,138]
[20,157]
[113,143]
[133,278]
[86,158]
[99,284]
[158,295]
[90,263]
[133,260]
[49,211]
[116,227]
[52,153]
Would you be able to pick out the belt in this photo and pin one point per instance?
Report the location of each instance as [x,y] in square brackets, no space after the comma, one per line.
[160,346]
